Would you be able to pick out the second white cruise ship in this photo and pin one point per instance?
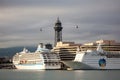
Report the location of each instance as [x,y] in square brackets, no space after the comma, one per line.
[95,59]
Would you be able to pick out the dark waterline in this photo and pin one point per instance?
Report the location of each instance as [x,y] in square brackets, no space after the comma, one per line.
[6,74]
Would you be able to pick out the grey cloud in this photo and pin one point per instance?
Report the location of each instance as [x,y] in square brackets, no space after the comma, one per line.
[21,20]
[36,2]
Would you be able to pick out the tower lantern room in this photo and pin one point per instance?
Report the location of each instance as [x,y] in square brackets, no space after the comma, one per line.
[58,31]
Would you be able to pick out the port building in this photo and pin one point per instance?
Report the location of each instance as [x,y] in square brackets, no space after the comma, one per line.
[107,45]
[67,50]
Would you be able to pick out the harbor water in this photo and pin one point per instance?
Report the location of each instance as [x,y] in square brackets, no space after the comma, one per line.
[14,74]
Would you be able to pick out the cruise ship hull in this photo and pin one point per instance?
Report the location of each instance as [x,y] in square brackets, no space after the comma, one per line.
[83,66]
[37,66]
[29,66]
[77,65]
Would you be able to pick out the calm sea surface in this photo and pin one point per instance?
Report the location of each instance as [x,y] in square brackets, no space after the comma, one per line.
[6,74]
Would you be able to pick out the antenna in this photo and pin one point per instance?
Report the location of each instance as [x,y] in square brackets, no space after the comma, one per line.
[41,29]
[76,26]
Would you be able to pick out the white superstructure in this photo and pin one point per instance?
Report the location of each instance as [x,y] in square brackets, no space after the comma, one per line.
[98,59]
[42,58]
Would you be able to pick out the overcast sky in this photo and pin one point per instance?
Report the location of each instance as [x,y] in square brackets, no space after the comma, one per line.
[21,20]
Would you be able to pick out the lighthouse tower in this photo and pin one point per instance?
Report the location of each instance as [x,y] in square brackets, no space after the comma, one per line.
[58,31]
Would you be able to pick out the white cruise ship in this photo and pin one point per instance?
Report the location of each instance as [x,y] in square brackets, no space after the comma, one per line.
[98,59]
[42,58]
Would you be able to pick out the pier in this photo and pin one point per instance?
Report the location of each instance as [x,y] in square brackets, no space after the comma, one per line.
[7,66]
